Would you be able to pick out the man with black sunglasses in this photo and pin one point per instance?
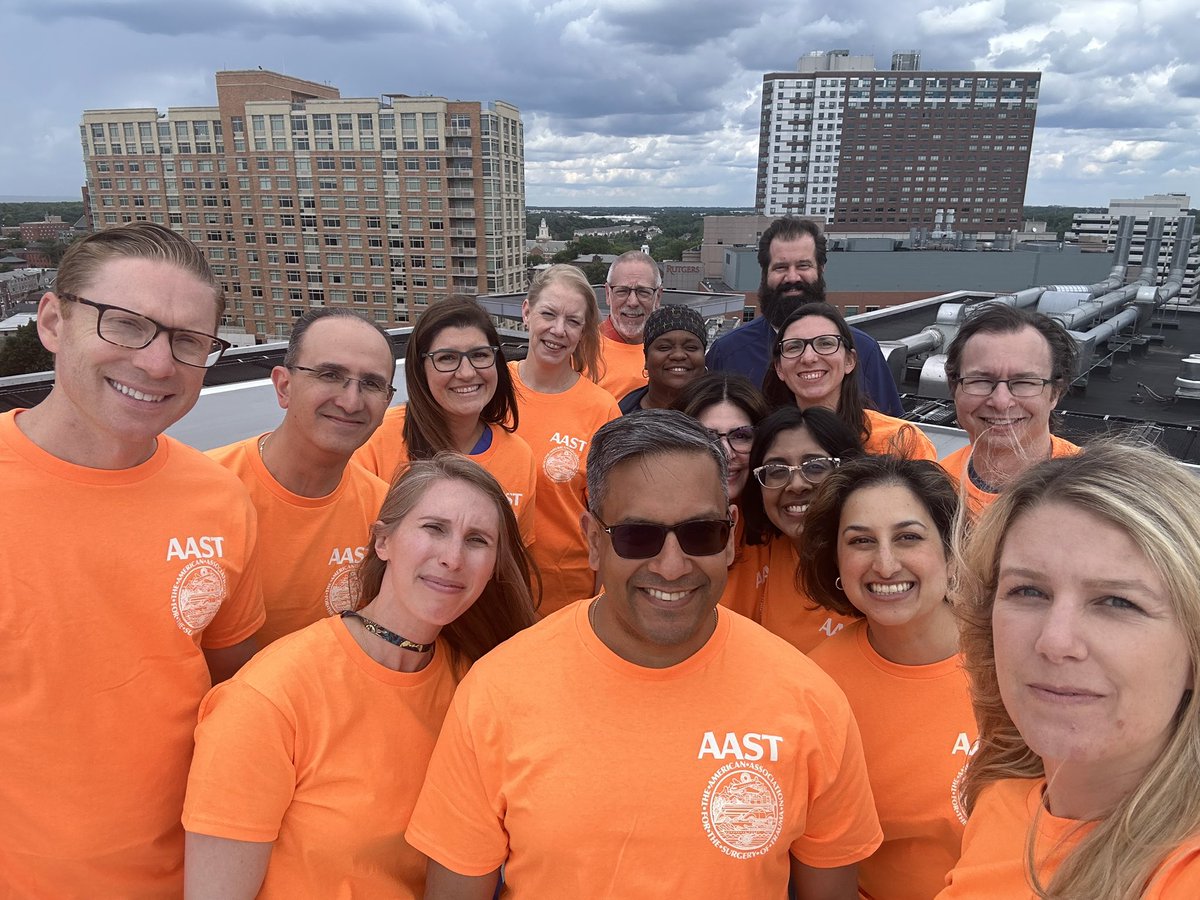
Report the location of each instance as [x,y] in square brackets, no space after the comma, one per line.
[315,507]
[128,574]
[647,743]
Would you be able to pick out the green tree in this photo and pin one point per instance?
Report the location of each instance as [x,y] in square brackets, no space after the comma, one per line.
[23,353]
[35,211]
[596,271]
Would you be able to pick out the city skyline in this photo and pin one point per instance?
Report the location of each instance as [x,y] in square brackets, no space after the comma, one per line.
[623,105]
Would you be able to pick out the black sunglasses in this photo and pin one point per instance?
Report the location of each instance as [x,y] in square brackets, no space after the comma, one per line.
[642,540]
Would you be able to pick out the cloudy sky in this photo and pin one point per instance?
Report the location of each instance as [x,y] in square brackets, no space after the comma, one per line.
[625,101]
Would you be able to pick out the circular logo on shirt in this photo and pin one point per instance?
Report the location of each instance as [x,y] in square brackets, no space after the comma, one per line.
[199,592]
[342,592]
[561,464]
[956,799]
[742,810]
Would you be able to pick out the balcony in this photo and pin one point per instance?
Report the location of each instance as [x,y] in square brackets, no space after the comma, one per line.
[462,232]
[458,131]
[464,272]
[464,251]
[460,152]
[466,193]
[457,172]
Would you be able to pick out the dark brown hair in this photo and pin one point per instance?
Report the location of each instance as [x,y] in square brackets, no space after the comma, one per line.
[851,402]
[817,575]
[425,429]
[834,437]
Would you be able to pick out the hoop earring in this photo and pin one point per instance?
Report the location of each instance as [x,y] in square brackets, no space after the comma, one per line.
[645,373]
[837,583]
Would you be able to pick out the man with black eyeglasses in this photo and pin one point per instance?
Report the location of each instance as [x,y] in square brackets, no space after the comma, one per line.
[633,290]
[315,507]
[648,743]
[128,574]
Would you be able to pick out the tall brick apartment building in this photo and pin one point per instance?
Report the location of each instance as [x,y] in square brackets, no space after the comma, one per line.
[301,197]
[881,152]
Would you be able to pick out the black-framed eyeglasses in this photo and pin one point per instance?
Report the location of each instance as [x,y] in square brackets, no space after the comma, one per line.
[1018,387]
[824,344]
[370,385]
[622,292]
[134,331]
[740,438]
[643,540]
[450,360]
[778,475]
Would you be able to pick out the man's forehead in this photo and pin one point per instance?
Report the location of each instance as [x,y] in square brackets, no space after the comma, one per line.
[802,246]
[669,487]
[351,342]
[633,270]
[154,287]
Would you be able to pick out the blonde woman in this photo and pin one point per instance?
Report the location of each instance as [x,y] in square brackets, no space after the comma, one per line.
[561,407]
[1080,602]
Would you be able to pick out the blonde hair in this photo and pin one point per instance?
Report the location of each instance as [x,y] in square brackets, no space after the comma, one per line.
[137,240]
[506,605]
[1156,502]
[586,359]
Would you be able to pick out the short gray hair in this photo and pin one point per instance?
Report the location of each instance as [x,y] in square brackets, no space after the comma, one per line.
[647,433]
[635,256]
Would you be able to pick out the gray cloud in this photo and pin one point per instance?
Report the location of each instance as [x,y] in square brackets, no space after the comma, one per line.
[625,101]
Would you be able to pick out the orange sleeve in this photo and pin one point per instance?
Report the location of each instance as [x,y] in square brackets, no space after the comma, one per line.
[458,819]
[384,451]
[1178,878]
[242,613]
[842,826]
[897,437]
[242,776]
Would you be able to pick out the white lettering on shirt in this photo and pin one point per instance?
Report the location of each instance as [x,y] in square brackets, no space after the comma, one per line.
[746,747]
[964,745]
[829,629]
[344,555]
[565,440]
[514,500]
[205,547]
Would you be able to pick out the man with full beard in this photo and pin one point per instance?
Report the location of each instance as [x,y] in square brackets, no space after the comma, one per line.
[792,256]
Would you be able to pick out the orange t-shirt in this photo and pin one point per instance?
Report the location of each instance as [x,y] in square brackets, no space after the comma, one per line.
[508,459]
[977,498]
[591,777]
[315,746]
[763,588]
[918,731]
[747,574]
[113,583]
[994,855]
[897,437]
[624,365]
[559,428]
[314,543]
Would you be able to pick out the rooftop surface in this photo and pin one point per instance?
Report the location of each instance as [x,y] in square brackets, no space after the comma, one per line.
[1133,388]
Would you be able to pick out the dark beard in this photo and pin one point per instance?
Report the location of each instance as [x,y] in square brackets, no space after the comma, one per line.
[777,307]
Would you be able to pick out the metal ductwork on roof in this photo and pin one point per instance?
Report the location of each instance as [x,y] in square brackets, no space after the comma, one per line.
[1094,314]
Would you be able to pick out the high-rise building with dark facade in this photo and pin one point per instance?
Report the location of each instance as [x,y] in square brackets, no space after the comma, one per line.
[883,152]
[301,197]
